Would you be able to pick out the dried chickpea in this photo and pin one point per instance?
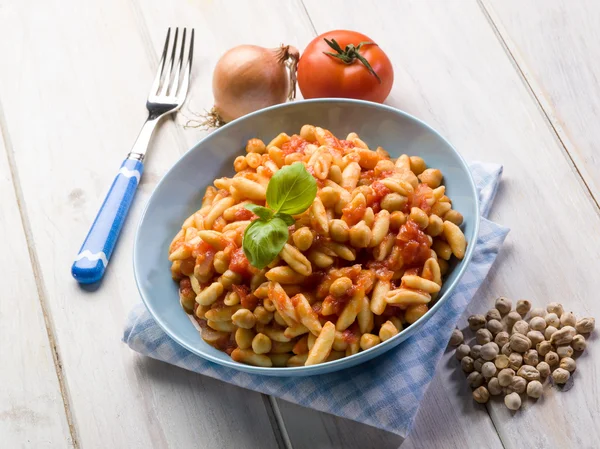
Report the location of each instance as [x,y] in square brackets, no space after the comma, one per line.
[466,364]
[521,327]
[552,358]
[244,318]
[489,351]
[552,320]
[515,360]
[501,361]
[568,319]
[505,377]
[517,385]
[531,357]
[432,177]
[535,337]
[512,401]
[506,349]
[512,318]
[563,336]
[483,336]
[564,351]
[417,165]
[537,311]
[528,372]
[488,370]
[555,308]
[543,368]
[519,342]
[462,351]
[560,375]
[549,331]
[501,338]
[493,314]
[476,322]
[303,238]
[414,312]
[481,395]
[495,327]
[578,343]
[261,344]
[543,348]
[585,325]
[478,364]
[456,338]
[503,305]
[494,387]
[367,341]
[537,323]
[568,364]
[535,389]
[475,379]
[523,306]
[475,351]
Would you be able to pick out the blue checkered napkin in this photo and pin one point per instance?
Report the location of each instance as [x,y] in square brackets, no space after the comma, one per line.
[387,397]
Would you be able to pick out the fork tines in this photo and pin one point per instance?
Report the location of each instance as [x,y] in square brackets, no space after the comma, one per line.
[168,83]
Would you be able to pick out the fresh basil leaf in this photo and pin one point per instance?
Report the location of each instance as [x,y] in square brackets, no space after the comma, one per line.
[261,211]
[263,240]
[291,190]
[288,219]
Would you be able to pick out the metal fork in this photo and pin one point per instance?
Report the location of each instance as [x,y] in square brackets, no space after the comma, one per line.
[167,94]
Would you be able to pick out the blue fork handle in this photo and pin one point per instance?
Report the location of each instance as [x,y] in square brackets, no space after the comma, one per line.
[90,264]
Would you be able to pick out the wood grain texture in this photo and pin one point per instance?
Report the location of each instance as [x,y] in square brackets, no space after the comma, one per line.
[74,100]
[32,412]
[556,49]
[453,72]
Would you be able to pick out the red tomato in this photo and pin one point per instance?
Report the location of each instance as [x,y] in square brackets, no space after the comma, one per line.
[345,76]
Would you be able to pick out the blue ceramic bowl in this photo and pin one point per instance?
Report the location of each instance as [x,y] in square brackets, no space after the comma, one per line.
[180,191]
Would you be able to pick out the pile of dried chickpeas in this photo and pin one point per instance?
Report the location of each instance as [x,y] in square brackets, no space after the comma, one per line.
[515,351]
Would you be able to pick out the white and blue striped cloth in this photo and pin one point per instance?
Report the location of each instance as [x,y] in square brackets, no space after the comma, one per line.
[384,393]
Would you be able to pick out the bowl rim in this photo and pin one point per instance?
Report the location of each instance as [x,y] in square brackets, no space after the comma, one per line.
[344,362]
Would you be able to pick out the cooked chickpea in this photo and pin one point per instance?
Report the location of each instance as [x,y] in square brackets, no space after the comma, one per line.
[475,379]
[537,323]
[503,305]
[494,387]
[244,318]
[307,132]
[495,326]
[517,385]
[432,177]
[535,389]
[388,330]
[523,306]
[476,322]
[467,364]
[585,325]
[555,308]
[564,351]
[462,351]
[578,343]
[560,375]
[253,160]
[367,341]
[552,320]
[543,348]
[240,163]
[243,337]
[501,338]
[568,364]
[521,326]
[397,219]
[549,331]
[419,217]
[456,338]
[454,216]
[360,235]
[501,361]
[475,351]
[568,319]
[263,315]
[535,337]
[414,312]
[552,358]
[261,344]
[393,202]
[505,377]
[435,226]
[303,238]
[255,146]
[493,314]
[515,360]
[340,286]
[543,368]
[483,336]
[512,401]
[417,165]
[339,231]
[488,369]
[489,351]
[481,395]
[537,311]
[512,318]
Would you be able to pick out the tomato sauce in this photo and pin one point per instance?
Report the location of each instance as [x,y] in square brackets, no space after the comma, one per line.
[346,144]
[413,243]
[380,191]
[353,215]
[296,145]
[351,335]
[243,214]
[419,198]
[239,263]
[337,304]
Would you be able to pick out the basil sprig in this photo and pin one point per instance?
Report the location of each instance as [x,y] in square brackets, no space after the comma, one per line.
[291,191]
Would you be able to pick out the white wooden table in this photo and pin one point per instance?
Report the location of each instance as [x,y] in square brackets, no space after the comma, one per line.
[514,82]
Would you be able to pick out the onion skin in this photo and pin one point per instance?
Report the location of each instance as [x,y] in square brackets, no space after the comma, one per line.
[248,78]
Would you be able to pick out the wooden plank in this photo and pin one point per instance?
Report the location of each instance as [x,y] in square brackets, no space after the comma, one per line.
[32,412]
[452,71]
[554,47]
[73,109]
